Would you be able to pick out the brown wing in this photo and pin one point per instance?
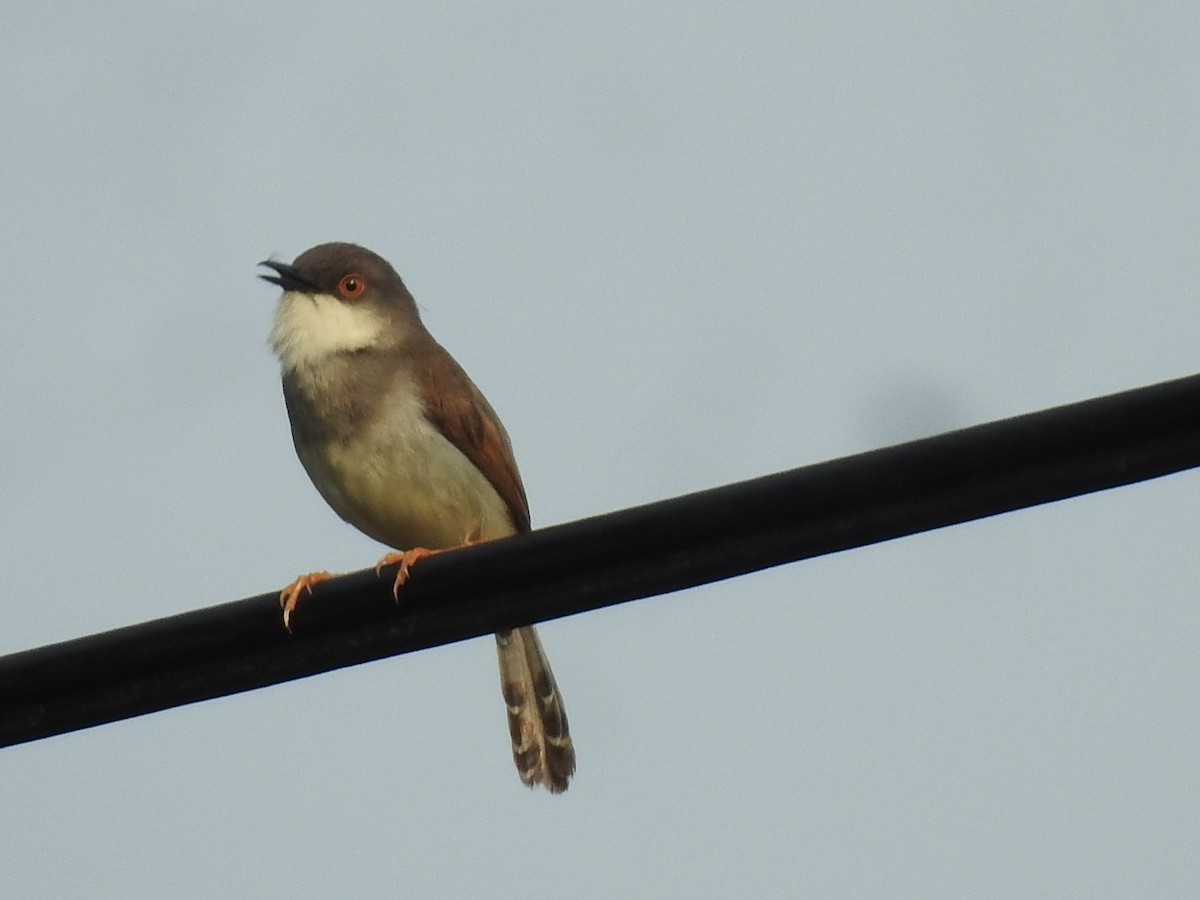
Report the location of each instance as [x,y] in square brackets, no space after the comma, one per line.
[463,415]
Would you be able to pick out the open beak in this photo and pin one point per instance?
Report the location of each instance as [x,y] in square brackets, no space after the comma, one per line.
[286,277]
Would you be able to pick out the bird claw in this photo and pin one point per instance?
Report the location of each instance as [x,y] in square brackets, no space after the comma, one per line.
[289,597]
[405,560]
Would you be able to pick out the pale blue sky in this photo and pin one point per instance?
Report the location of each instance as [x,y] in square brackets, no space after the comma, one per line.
[677,245]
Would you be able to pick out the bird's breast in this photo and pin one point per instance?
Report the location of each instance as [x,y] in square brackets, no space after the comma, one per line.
[384,467]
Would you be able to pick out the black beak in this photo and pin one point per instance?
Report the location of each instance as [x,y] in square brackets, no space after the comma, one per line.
[287,277]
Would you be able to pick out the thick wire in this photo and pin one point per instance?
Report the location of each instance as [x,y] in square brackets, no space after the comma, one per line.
[610,559]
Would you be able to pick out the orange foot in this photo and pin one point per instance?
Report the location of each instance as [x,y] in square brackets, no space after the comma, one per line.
[406,561]
[289,597]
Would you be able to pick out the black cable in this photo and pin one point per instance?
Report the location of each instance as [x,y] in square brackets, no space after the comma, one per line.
[609,559]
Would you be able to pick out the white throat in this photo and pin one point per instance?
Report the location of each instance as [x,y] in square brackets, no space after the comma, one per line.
[310,327]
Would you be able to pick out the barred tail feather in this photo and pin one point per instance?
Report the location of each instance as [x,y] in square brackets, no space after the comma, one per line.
[537,719]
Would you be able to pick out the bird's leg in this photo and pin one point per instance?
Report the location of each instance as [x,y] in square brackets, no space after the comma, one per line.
[408,558]
[289,597]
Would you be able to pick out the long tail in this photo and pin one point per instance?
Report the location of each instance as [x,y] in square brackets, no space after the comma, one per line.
[537,719]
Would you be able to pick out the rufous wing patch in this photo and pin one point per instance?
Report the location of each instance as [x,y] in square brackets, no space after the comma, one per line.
[462,414]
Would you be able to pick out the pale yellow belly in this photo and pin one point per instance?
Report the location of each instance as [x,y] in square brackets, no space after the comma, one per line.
[405,485]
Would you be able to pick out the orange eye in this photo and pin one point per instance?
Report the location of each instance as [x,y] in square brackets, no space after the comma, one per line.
[351,286]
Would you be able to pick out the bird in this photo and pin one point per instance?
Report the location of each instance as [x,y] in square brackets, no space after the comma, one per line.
[403,446]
